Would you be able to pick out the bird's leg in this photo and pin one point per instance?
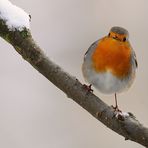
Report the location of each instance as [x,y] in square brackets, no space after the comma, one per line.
[116,103]
[88,87]
[116,108]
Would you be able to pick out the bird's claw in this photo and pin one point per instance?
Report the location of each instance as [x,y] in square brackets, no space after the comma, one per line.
[116,109]
[88,87]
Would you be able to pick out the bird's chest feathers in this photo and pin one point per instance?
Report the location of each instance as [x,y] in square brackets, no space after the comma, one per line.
[112,55]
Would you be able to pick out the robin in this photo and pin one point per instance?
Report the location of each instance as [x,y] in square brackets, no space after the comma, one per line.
[110,63]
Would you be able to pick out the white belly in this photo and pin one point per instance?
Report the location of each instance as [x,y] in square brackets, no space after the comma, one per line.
[106,82]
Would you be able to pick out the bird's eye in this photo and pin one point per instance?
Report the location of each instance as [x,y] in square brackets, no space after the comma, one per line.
[124,39]
[109,34]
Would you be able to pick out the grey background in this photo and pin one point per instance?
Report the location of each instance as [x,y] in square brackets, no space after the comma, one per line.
[33,112]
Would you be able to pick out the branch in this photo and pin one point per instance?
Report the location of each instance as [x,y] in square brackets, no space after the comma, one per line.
[129,127]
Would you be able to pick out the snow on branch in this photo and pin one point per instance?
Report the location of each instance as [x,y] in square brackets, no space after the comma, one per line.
[14,28]
[15,17]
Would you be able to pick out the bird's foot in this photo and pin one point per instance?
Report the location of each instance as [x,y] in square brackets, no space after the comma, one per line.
[119,114]
[88,87]
[116,108]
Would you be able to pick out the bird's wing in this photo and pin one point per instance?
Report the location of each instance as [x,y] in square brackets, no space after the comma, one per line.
[135,58]
[92,46]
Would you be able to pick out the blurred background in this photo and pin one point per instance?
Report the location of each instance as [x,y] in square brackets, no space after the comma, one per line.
[33,112]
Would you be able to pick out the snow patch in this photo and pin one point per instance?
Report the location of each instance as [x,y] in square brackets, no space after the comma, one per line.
[15,17]
[121,115]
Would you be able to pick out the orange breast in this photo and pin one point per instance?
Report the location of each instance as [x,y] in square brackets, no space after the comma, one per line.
[112,55]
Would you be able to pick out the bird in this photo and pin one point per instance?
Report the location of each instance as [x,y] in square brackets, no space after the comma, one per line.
[110,63]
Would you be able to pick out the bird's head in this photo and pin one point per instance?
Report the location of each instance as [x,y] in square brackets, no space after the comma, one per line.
[119,33]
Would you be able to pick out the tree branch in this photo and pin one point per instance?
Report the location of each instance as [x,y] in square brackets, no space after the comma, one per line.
[22,41]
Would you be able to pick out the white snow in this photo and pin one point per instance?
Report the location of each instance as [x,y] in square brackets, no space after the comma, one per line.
[15,17]
[123,114]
